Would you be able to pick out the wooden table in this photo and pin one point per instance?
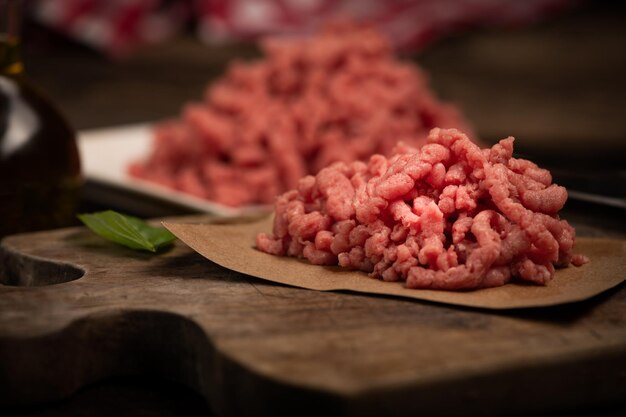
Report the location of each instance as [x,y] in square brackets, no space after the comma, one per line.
[556,84]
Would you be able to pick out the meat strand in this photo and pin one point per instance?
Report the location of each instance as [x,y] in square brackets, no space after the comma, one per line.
[448,216]
[339,95]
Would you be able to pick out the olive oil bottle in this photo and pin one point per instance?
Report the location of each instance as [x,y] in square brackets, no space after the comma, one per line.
[39,163]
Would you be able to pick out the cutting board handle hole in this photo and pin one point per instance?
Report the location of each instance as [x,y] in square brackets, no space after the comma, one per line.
[28,271]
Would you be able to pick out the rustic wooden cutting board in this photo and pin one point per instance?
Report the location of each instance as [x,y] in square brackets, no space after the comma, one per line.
[80,309]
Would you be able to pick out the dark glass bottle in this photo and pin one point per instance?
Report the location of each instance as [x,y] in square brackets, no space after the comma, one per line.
[39,164]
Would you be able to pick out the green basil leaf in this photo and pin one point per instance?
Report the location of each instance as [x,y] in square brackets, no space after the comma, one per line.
[127,230]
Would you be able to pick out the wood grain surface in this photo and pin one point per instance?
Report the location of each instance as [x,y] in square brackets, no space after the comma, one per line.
[255,348]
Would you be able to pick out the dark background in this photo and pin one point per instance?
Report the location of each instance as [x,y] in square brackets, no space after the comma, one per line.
[558,86]
[554,84]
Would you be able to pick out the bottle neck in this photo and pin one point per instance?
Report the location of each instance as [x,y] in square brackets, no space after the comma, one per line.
[10,56]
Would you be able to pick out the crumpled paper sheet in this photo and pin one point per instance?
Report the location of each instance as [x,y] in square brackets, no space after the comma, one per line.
[232,246]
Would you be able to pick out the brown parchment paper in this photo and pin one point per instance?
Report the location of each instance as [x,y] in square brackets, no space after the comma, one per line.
[232,246]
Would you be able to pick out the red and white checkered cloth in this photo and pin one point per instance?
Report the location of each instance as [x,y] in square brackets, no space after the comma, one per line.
[118,26]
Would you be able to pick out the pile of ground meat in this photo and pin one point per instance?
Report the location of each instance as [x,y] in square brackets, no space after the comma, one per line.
[340,95]
[448,216]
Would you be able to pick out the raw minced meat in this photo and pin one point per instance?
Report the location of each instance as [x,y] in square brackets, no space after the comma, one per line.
[448,216]
[340,95]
